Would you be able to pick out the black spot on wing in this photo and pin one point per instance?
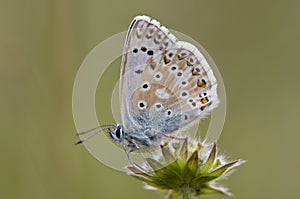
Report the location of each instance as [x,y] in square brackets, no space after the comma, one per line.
[138,71]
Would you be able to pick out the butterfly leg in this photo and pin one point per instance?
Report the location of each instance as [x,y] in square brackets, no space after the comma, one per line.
[139,151]
[129,149]
[125,147]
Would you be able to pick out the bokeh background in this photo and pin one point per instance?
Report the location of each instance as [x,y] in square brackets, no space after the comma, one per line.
[255,45]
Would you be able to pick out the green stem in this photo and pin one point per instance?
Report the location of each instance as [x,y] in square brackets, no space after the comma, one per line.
[185,192]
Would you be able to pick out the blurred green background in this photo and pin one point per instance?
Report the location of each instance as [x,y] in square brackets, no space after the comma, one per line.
[255,45]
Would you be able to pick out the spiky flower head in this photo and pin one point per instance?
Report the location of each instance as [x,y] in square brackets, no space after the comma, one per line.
[185,169]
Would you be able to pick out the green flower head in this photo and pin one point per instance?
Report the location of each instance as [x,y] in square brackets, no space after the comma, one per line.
[185,169]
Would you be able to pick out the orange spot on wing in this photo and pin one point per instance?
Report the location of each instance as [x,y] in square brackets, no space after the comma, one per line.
[204,100]
[201,84]
[180,57]
[195,72]
[166,60]
[189,63]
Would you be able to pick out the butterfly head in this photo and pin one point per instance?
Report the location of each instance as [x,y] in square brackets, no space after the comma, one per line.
[117,134]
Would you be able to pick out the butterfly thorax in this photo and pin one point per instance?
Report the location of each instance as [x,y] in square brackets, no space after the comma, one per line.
[134,138]
[147,129]
[141,138]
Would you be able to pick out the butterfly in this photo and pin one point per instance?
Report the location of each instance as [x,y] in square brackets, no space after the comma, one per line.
[165,85]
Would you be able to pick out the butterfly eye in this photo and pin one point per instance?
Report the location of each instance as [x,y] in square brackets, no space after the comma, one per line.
[119,133]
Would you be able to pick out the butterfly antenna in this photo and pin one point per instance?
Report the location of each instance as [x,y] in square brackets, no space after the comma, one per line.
[99,128]
[102,127]
[86,138]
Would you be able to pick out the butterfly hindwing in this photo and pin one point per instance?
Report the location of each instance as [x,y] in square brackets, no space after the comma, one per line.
[165,84]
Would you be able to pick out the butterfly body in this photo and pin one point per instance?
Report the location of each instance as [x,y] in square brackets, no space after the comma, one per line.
[165,85]
[148,130]
[134,138]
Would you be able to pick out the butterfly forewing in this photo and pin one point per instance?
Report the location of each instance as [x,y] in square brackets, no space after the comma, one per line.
[146,39]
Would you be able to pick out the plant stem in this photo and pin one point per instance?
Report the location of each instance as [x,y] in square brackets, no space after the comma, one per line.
[185,192]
